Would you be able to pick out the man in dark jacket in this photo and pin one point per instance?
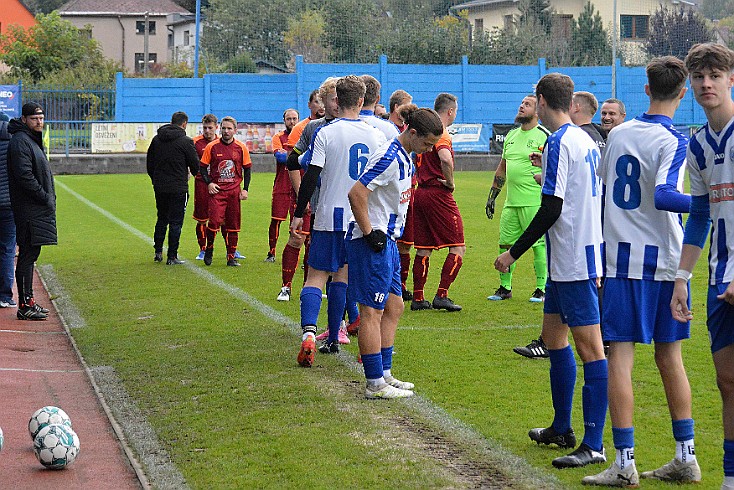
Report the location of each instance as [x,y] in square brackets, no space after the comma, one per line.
[171,156]
[33,200]
[7,223]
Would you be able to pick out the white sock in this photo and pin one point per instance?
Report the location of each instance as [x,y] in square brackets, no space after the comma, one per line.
[684,451]
[625,457]
[386,373]
[307,335]
[728,481]
[374,383]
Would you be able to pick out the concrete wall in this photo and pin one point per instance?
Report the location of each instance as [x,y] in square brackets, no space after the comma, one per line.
[135,163]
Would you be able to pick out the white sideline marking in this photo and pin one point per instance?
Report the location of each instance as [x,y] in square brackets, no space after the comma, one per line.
[466,329]
[43,370]
[522,471]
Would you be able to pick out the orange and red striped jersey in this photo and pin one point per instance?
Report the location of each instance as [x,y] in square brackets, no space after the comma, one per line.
[429,164]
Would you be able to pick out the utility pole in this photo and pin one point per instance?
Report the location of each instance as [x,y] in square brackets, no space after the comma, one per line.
[615,38]
[145,46]
[196,39]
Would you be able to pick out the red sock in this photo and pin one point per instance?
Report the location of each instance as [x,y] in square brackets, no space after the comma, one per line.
[420,273]
[273,233]
[201,234]
[450,270]
[404,269]
[289,263]
[232,239]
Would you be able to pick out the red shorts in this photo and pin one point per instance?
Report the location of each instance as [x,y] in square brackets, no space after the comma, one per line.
[437,222]
[225,209]
[408,237]
[201,200]
[283,204]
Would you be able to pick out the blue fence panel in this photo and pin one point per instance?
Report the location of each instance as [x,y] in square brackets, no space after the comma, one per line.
[487,93]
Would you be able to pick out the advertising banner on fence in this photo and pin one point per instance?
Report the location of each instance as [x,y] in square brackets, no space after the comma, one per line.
[469,138]
[10,100]
[136,137]
[499,131]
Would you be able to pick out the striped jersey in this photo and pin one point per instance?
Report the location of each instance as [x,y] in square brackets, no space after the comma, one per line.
[573,242]
[711,169]
[388,128]
[388,174]
[341,149]
[641,241]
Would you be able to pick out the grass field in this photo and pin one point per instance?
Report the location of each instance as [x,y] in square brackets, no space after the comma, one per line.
[218,380]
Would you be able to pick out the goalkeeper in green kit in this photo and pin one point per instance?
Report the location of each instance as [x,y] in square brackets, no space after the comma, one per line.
[521,204]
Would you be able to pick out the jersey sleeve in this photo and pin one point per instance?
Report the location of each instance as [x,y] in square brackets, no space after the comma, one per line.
[444,142]
[317,149]
[277,143]
[206,156]
[556,157]
[304,141]
[379,172]
[246,160]
[296,132]
[698,186]
[672,157]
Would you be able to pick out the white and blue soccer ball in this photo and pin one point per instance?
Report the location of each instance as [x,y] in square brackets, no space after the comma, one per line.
[56,446]
[47,416]
[2,439]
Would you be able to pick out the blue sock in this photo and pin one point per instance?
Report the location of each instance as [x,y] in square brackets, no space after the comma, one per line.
[623,438]
[595,401]
[683,429]
[562,381]
[337,300]
[386,358]
[310,306]
[728,457]
[372,364]
[352,310]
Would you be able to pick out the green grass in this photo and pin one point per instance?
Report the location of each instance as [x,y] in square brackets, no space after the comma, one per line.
[219,383]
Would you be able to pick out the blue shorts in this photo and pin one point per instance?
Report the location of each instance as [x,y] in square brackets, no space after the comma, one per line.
[577,302]
[373,276]
[638,310]
[327,251]
[720,319]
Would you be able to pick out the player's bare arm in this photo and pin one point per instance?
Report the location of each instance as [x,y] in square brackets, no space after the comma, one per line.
[447,167]
[679,302]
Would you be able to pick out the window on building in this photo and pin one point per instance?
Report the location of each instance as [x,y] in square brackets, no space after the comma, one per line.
[140,27]
[170,40]
[634,26]
[562,26]
[509,22]
[139,57]
[186,38]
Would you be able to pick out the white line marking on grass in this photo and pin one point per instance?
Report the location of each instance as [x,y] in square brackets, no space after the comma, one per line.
[466,329]
[520,469]
[43,370]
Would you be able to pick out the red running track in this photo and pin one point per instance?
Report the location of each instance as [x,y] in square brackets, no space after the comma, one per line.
[39,367]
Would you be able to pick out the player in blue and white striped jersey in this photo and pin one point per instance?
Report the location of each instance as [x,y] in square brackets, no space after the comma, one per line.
[367,114]
[643,175]
[379,201]
[710,162]
[338,152]
[570,216]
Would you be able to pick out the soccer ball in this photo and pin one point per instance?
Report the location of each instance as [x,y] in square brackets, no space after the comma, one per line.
[47,416]
[56,446]
[2,439]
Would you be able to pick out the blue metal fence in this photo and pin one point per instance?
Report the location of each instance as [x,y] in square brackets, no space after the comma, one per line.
[70,113]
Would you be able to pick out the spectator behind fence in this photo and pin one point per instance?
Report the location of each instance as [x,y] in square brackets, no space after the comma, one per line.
[7,223]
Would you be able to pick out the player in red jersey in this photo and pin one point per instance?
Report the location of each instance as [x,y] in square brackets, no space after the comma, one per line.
[284,197]
[209,125]
[225,165]
[437,221]
[316,106]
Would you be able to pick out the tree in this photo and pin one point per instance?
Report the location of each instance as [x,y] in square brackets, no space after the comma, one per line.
[55,50]
[43,6]
[536,12]
[305,34]
[352,30]
[589,40]
[442,40]
[674,31]
[717,9]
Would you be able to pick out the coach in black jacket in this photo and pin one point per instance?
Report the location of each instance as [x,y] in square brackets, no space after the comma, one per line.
[171,156]
[7,223]
[33,200]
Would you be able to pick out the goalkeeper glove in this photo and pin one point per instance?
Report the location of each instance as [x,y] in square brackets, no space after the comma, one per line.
[281,156]
[377,240]
[489,208]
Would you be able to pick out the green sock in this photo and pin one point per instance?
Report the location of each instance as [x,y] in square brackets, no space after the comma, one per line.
[541,267]
[506,277]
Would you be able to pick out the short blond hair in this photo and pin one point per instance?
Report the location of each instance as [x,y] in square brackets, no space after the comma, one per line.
[587,100]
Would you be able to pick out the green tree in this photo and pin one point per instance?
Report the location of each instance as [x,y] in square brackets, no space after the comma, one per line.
[441,40]
[43,6]
[674,31]
[589,40]
[717,9]
[55,50]
[536,12]
[352,30]
[305,34]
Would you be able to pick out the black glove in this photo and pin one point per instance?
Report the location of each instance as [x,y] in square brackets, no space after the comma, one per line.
[489,208]
[377,240]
